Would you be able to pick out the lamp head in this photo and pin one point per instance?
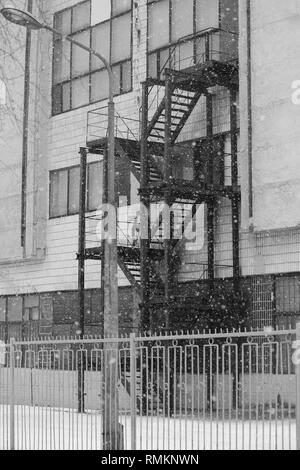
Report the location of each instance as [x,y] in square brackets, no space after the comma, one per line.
[21,18]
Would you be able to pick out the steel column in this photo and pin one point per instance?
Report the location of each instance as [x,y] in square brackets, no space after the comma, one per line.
[168,254]
[235,198]
[145,213]
[297,367]
[211,202]
[133,390]
[12,393]
[81,270]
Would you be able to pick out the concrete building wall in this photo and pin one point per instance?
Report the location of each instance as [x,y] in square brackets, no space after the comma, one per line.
[48,262]
[60,138]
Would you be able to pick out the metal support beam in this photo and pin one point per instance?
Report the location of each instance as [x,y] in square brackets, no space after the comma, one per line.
[168,255]
[211,241]
[211,202]
[235,199]
[145,214]
[81,269]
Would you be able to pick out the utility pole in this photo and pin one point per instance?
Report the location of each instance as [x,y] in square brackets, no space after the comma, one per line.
[111,431]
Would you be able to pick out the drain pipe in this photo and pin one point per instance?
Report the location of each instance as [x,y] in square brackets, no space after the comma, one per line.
[25,132]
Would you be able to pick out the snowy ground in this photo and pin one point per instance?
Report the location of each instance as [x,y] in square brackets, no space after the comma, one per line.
[53,429]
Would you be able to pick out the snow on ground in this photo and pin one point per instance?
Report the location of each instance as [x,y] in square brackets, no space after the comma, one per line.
[38,428]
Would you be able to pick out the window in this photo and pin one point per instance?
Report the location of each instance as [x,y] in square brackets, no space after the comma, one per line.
[182,18]
[74,190]
[288,295]
[58,193]
[119,6]
[31,308]
[80,78]
[207,14]
[14,309]
[65,190]
[101,11]
[95,185]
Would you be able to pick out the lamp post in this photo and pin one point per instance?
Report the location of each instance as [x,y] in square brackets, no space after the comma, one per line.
[111,437]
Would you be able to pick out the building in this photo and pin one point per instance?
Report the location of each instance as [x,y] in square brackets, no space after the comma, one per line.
[206,120]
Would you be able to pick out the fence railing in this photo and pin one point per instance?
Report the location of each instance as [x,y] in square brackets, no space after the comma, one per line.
[197,391]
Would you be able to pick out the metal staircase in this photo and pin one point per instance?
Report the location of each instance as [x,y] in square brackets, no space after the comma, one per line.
[183,104]
[168,103]
[130,150]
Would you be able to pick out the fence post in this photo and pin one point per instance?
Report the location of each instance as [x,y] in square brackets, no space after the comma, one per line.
[12,393]
[297,366]
[133,389]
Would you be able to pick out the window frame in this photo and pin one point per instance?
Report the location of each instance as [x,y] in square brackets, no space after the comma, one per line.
[59,86]
[68,170]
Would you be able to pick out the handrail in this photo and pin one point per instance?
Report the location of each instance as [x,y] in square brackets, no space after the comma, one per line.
[173,48]
[171,60]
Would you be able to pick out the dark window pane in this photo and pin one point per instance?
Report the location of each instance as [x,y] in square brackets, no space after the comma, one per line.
[66,97]
[74,180]
[229,15]
[2,309]
[81,16]
[126,77]
[80,57]
[65,307]
[101,11]
[15,309]
[58,193]
[80,92]
[96,303]
[95,178]
[99,86]
[56,99]
[15,330]
[121,38]
[288,295]
[101,42]
[46,307]
[158,25]
[62,21]
[182,18]
[120,6]
[31,301]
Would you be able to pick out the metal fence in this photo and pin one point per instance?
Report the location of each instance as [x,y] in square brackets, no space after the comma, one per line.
[237,390]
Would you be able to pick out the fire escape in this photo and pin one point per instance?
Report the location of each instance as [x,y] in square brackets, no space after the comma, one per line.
[152,263]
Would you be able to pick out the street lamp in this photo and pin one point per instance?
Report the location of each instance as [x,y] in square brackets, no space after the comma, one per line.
[111,431]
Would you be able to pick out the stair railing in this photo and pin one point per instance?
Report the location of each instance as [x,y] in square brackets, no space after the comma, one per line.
[172,55]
